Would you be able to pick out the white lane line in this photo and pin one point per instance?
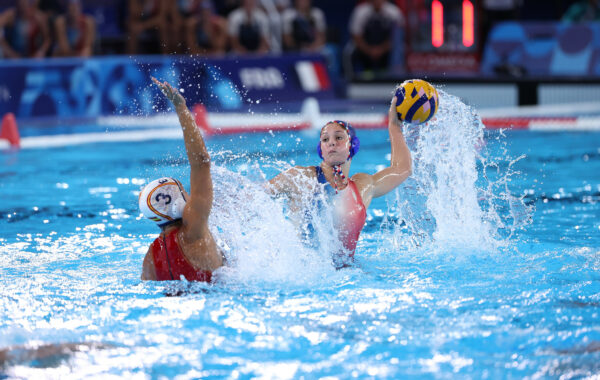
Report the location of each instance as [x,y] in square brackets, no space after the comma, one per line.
[51,141]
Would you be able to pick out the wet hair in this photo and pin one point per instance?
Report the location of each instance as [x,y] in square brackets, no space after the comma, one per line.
[354,141]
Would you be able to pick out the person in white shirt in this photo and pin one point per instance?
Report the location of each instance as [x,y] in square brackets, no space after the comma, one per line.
[248,29]
[371,25]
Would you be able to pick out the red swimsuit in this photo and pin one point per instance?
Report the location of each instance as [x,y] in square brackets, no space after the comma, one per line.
[350,214]
[171,264]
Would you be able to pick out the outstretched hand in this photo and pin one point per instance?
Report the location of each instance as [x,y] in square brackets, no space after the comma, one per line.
[171,93]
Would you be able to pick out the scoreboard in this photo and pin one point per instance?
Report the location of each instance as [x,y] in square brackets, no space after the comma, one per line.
[443,36]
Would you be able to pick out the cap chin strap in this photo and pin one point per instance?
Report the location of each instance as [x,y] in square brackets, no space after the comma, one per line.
[337,170]
[170,222]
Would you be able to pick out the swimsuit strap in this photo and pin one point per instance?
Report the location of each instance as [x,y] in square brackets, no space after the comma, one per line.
[320,175]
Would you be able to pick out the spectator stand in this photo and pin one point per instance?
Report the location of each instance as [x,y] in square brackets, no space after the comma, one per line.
[110,16]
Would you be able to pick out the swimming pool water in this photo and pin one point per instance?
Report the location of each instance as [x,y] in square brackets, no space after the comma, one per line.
[524,306]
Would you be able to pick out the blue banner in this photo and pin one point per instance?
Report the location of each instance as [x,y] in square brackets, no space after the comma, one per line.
[102,86]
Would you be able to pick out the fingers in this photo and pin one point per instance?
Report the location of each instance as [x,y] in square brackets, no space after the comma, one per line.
[160,85]
[392,113]
[164,87]
[393,106]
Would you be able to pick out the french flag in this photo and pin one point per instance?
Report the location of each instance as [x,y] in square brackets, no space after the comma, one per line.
[313,76]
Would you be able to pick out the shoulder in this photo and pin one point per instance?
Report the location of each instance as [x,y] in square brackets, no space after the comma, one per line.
[289,14]
[148,271]
[236,15]
[363,10]
[319,17]
[260,16]
[359,15]
[362,179]
[317,13]
[393,11]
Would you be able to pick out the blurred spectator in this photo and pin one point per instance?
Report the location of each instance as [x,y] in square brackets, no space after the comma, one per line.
[24,31]
[176,13]
[52,9]
[282,5]
[583,11]
[75,32]
[273,10]
[372,26]
[303,27]
[225,7]
[248,28]
[147,22]
[206,32]
[496,11]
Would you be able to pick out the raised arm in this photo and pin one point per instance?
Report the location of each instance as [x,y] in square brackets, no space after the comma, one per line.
[401,163]
[400,167]
[198,206]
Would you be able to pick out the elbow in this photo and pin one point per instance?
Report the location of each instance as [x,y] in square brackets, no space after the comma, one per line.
[403,169]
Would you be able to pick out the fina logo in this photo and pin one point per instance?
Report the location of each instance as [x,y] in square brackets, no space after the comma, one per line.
[262,79]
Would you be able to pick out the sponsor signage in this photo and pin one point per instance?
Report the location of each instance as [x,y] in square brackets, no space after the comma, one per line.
[442,63]
[103,86]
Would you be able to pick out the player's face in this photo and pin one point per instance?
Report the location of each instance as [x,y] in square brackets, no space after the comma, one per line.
[335,144]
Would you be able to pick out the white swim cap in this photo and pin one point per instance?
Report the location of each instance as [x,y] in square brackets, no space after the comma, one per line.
[162,200]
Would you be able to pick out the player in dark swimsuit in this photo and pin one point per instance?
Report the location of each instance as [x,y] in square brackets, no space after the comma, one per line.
[352,195]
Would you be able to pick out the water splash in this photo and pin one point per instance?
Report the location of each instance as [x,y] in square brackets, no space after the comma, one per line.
[260,236]
[446,202]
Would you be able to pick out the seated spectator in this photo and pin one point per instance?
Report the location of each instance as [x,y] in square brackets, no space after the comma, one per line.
[206,32]
[25,31]
[248,29]
[225,7]
[303,27]
[371,25]
[147,20]
[75,32]
[583,11]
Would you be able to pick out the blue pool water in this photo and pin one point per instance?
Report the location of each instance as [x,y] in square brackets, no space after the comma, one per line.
[485,264]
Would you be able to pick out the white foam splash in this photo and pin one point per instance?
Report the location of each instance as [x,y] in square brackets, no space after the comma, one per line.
[445,202]
[260,239]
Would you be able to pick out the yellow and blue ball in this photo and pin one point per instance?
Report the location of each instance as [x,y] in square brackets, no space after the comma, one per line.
[416,101]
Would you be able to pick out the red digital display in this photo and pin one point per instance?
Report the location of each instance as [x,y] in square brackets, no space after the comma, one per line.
[437,24]
[467,23]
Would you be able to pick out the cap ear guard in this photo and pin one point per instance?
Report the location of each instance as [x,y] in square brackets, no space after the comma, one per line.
[162,201]
[354,141]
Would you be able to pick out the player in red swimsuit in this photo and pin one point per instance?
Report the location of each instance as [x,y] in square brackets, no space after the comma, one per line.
[353,195]
[185,247]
